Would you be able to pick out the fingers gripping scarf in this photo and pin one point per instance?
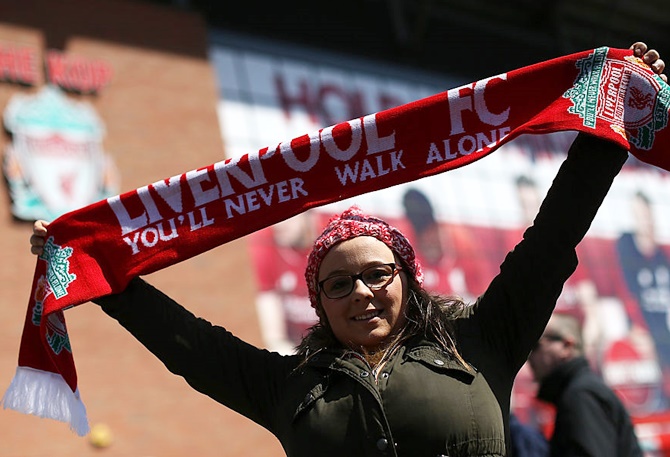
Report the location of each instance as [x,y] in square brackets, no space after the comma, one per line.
[97,250]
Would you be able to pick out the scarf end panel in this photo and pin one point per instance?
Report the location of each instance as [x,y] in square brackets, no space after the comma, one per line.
[46,395]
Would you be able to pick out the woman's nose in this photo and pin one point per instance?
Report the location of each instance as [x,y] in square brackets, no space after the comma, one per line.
[361,289]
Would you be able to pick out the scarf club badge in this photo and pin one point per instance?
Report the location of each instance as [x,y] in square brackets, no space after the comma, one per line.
[635,103]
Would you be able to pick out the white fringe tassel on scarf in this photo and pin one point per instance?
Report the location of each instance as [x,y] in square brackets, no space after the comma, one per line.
[46,395]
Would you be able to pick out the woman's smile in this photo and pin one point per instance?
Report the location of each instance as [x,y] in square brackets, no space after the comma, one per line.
[368,315]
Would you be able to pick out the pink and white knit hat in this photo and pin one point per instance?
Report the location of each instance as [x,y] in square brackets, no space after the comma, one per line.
[351,224]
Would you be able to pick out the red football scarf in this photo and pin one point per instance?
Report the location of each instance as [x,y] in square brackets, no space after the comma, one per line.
[96,250]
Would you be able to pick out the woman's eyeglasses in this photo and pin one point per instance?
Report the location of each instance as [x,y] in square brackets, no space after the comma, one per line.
[375,278]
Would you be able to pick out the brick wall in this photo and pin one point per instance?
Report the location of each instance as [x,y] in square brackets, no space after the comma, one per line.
[160,116]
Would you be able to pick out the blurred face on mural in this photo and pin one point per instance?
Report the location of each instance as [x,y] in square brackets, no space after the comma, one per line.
[296,232]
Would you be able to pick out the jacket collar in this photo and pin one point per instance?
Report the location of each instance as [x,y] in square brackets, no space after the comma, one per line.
[416,348]
[555,383]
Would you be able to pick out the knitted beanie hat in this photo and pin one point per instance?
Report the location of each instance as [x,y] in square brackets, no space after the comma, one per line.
[351,224]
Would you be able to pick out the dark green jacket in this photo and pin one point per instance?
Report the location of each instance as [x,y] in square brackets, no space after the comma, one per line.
[422,403]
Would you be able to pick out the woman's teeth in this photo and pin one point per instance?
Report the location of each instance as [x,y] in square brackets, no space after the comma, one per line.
[366,316]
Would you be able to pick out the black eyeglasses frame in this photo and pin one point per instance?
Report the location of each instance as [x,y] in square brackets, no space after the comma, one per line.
[394,270]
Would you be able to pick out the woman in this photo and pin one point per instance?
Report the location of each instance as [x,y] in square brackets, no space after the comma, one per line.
[389,369]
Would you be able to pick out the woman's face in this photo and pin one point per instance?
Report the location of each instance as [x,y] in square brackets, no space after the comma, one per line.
[365,318]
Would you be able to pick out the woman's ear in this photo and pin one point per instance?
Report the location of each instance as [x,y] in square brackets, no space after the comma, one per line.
[320,313]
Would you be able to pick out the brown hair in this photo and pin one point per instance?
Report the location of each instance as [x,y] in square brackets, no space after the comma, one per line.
[430,316]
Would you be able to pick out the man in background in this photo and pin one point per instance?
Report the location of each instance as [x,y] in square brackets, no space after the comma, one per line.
[590,418]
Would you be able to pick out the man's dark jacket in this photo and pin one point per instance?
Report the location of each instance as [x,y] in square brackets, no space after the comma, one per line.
[590,418]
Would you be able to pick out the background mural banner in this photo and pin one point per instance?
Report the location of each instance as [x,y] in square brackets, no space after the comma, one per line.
[96,250]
